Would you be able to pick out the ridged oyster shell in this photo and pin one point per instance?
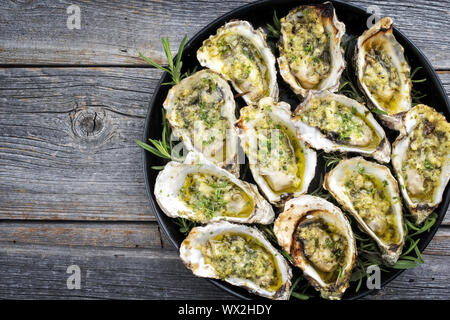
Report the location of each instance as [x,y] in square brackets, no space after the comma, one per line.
[312,221]
[202,243]
[310,53]
[281,164]
[240,53]
[200,191]
[201,111]
[383,73]
[370,193]
[349,126]
[421,160]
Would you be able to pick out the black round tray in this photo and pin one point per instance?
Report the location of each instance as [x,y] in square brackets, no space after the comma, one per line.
[260,13]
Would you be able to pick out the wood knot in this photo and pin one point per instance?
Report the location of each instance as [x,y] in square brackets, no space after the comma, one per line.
[90,125]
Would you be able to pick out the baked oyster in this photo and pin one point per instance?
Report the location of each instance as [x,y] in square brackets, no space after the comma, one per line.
[200,191]
[310,53]
[421,160]
[333,122]
[370,193]
[281,164]
[201,111]
[240,53]
[320,241]
[239,255]
[383,73]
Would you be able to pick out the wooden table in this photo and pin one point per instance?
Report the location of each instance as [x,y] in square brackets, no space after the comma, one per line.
[72,104]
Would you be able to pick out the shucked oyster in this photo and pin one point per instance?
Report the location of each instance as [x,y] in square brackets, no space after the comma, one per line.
[334,122]
[201,111]
[320,240]
[200,191]
[421,160]
[281,164]
[310,53]
[239,255]
[240,53]
[383,73]
[370,193]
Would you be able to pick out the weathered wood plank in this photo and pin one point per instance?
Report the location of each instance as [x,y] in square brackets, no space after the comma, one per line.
[67,143]
[113,32]
[39,272]
[92,234]
[55,164]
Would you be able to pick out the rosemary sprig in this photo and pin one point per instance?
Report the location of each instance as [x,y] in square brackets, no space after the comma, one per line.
[174,67]
[160,148]
[185,225]
[417,95]
[275,29]
[331,159]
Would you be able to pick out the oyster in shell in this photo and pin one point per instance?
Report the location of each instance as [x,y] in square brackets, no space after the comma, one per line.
[239,255]
[421,160]
[370,193]
[333,122]
[310,53]
[281,164]
[383,73]
[201,111]
[320,241]
[240,53]
[200,191]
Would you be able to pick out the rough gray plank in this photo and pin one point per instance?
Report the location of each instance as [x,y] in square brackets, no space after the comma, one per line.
[67,143]
[39,272]
[75,234]
[113,32]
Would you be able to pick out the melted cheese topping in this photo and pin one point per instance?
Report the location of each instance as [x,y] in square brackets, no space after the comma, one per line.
[382,78]
[199,109]
[427,153]
[280,157]
[242,62]
[324,246]
[210,196]
[340,123]
[372,201]
[242,256]
[307,47]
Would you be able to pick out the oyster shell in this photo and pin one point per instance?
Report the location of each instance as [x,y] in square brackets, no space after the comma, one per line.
[240,53]
[320,240]
[281,164]
[370,193]
[383,73]
[421,160]
[240,255]
[201,111]
[310,53]
[333,122]
[200,191]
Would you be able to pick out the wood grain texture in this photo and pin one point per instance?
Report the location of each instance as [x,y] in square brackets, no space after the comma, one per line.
[113,32]
[67,143]
[76,234]
[40,272]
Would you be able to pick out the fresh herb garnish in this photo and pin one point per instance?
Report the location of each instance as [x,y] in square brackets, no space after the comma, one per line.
[275,29]
[174,67]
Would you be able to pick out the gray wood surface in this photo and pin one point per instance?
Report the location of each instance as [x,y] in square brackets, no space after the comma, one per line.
[113,32]
[71,182]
